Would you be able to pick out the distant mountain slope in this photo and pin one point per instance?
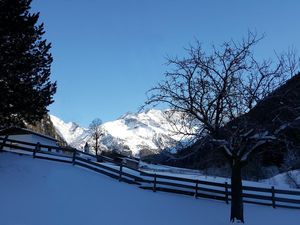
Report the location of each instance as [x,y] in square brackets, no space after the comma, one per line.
[141,133]
[279,115]
[280,108]
[46,127]
[69,131]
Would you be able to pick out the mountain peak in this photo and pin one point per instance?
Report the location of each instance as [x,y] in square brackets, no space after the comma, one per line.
[142,133]
[70,131]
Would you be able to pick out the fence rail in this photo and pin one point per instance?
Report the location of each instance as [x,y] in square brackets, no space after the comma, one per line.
[152,181]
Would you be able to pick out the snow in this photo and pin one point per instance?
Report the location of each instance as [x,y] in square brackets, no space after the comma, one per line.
[137,131]
[280,181]
[69,131]
[35,192]
[283,181]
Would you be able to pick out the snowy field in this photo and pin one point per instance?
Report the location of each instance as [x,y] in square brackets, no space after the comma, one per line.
[279,181]
[38,192]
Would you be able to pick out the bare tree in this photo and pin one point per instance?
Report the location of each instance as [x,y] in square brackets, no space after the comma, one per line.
[96,132]
[211,89]
[240,140]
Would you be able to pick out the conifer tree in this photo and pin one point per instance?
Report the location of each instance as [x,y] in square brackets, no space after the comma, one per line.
[25,60]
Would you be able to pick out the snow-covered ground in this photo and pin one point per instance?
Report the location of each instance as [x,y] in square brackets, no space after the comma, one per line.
[280,181]
[38,192]
[286,180]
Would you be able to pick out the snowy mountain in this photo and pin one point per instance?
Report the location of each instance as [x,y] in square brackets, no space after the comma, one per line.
[69,131]
[141,133]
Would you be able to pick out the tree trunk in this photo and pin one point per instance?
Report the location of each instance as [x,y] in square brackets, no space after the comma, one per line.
[96,147]
[237,211]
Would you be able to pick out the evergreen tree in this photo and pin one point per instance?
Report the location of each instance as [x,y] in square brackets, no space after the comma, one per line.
[25,60]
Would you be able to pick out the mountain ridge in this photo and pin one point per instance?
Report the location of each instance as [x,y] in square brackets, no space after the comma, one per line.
[141,133]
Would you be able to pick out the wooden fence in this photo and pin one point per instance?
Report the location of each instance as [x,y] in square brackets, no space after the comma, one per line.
[71,156]
[152,181]
[221,191]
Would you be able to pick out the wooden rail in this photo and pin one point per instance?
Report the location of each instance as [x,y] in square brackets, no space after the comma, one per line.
[220,191]
[152,181]
[75,158]
[49,147]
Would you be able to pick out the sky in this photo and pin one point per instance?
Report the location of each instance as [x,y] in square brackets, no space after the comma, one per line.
[108,53]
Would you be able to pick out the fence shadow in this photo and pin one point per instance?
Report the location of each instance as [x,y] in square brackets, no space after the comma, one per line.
[125,172]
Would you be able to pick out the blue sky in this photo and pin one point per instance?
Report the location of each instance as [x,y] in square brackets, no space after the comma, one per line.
[108,53]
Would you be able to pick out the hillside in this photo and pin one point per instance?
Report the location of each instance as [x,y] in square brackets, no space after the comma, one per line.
[279,115]
[70,132]
[52,193]
[46,127]
[139,133]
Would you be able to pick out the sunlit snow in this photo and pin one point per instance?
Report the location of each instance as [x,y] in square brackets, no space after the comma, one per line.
[35,192]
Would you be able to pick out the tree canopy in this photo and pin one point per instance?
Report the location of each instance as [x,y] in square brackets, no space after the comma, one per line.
[211,89]
[25,61]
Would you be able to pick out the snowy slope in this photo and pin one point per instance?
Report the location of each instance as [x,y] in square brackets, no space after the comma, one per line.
[35,192]
[142,131]
[69,131]
[286,180]
[148,131]
[289,179]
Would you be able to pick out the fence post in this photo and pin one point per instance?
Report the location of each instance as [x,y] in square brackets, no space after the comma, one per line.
[273,197]
[196,189]
[120,172]
[37,148]
[154,183]
[226,192]
[3,142]
[74,157]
